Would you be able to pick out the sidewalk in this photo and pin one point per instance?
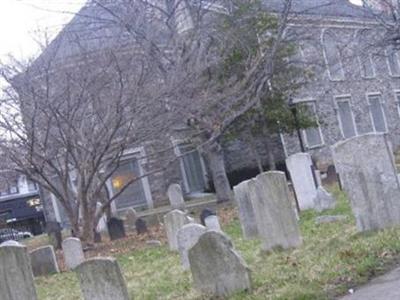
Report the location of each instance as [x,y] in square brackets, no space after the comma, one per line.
[385,287]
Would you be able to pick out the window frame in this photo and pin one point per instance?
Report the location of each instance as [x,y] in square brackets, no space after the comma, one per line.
[325,32]
[312,102]
[381,102]
[345,98]
[388,63]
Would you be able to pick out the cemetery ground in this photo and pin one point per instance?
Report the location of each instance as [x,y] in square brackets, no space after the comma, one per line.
[334,257]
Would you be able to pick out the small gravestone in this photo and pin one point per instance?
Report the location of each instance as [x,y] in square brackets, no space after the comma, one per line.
[212,223]
[323,200]
[246,210]
[187,237]
[153,243]
[101,279]
[43,261]
[276,221]
[217,269]
[369,177]
[131,217]
[53,230]
[73,252]
[204,214]
[116,229]
[175,197]
[16,278]
[299,166]
[141,227]
[173,221]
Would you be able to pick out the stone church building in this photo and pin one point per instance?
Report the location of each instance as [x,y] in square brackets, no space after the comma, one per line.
[355,89]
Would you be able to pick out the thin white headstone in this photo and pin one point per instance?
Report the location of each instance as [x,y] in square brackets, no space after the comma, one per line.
[175,197]
[73,252]
[173,221]
[212,223]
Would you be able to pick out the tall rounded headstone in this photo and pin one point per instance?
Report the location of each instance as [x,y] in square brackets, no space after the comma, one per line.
[16,278]
[175,197]
[217,269]
[101,279]
[300,168]
[368,175]
[276,220]
[246,210]
[43,261]
[73,252]
[187,237]
[173,221]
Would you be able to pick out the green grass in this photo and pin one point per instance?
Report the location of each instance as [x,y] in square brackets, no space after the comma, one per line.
[332,259]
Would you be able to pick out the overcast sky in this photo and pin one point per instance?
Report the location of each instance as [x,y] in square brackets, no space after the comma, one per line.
[21,20]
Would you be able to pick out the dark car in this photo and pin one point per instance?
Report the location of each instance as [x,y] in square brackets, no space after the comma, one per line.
[7,234]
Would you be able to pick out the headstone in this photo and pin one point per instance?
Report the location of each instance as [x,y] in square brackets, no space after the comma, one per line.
[101,279]
[330,219]
[217,269]
[173,221]
[212,223]
[116,229]
[73,252]
[204,214]
[141,227]
[187,237]
[318,177]
[299,166]
[246,211]
[131,217]
[368,175]
[324,200]
[175,197]
[43,261]
[153,243]
[276,221]
[16,278]
[53,230]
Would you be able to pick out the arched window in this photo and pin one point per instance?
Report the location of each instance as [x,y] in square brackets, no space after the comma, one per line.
[365,61]
[332,55]
[393,61]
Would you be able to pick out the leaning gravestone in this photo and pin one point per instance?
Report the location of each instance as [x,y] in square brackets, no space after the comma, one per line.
[16,278]
[43,261]
[299,167]
[173,221]
[276,220]
[246,210]
[187,237]
[217,269]
[116,229]
[368,175]
[175,197]
[101,279]
[73,252]
[324,200]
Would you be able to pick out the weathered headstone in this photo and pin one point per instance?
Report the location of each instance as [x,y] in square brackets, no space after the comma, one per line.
[217,269]
[43,261]
[53,230]
[368,175]
[212,223]
[276,221]
[299,166]
[204,214]
[323,200]
[175,197]
[173,221]
[330,219]
[101,279]
[131,217]
[16,278]
[116,229]
[187,237]
[141,227]
[73,252]
[246,210]
[102,224]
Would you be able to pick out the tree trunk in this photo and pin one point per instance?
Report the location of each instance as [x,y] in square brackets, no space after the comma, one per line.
[216,163]
[88,227]
[253,149]
[270,154]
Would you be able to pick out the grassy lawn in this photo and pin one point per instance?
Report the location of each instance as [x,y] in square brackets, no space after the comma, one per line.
[333,258]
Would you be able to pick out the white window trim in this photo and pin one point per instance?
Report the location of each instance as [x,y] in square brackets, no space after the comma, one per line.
[344,98]
[397,100]
[367,95]
[372,65]
[139,154]
[388,63]
[176,143]
[303,131]
[327,62]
